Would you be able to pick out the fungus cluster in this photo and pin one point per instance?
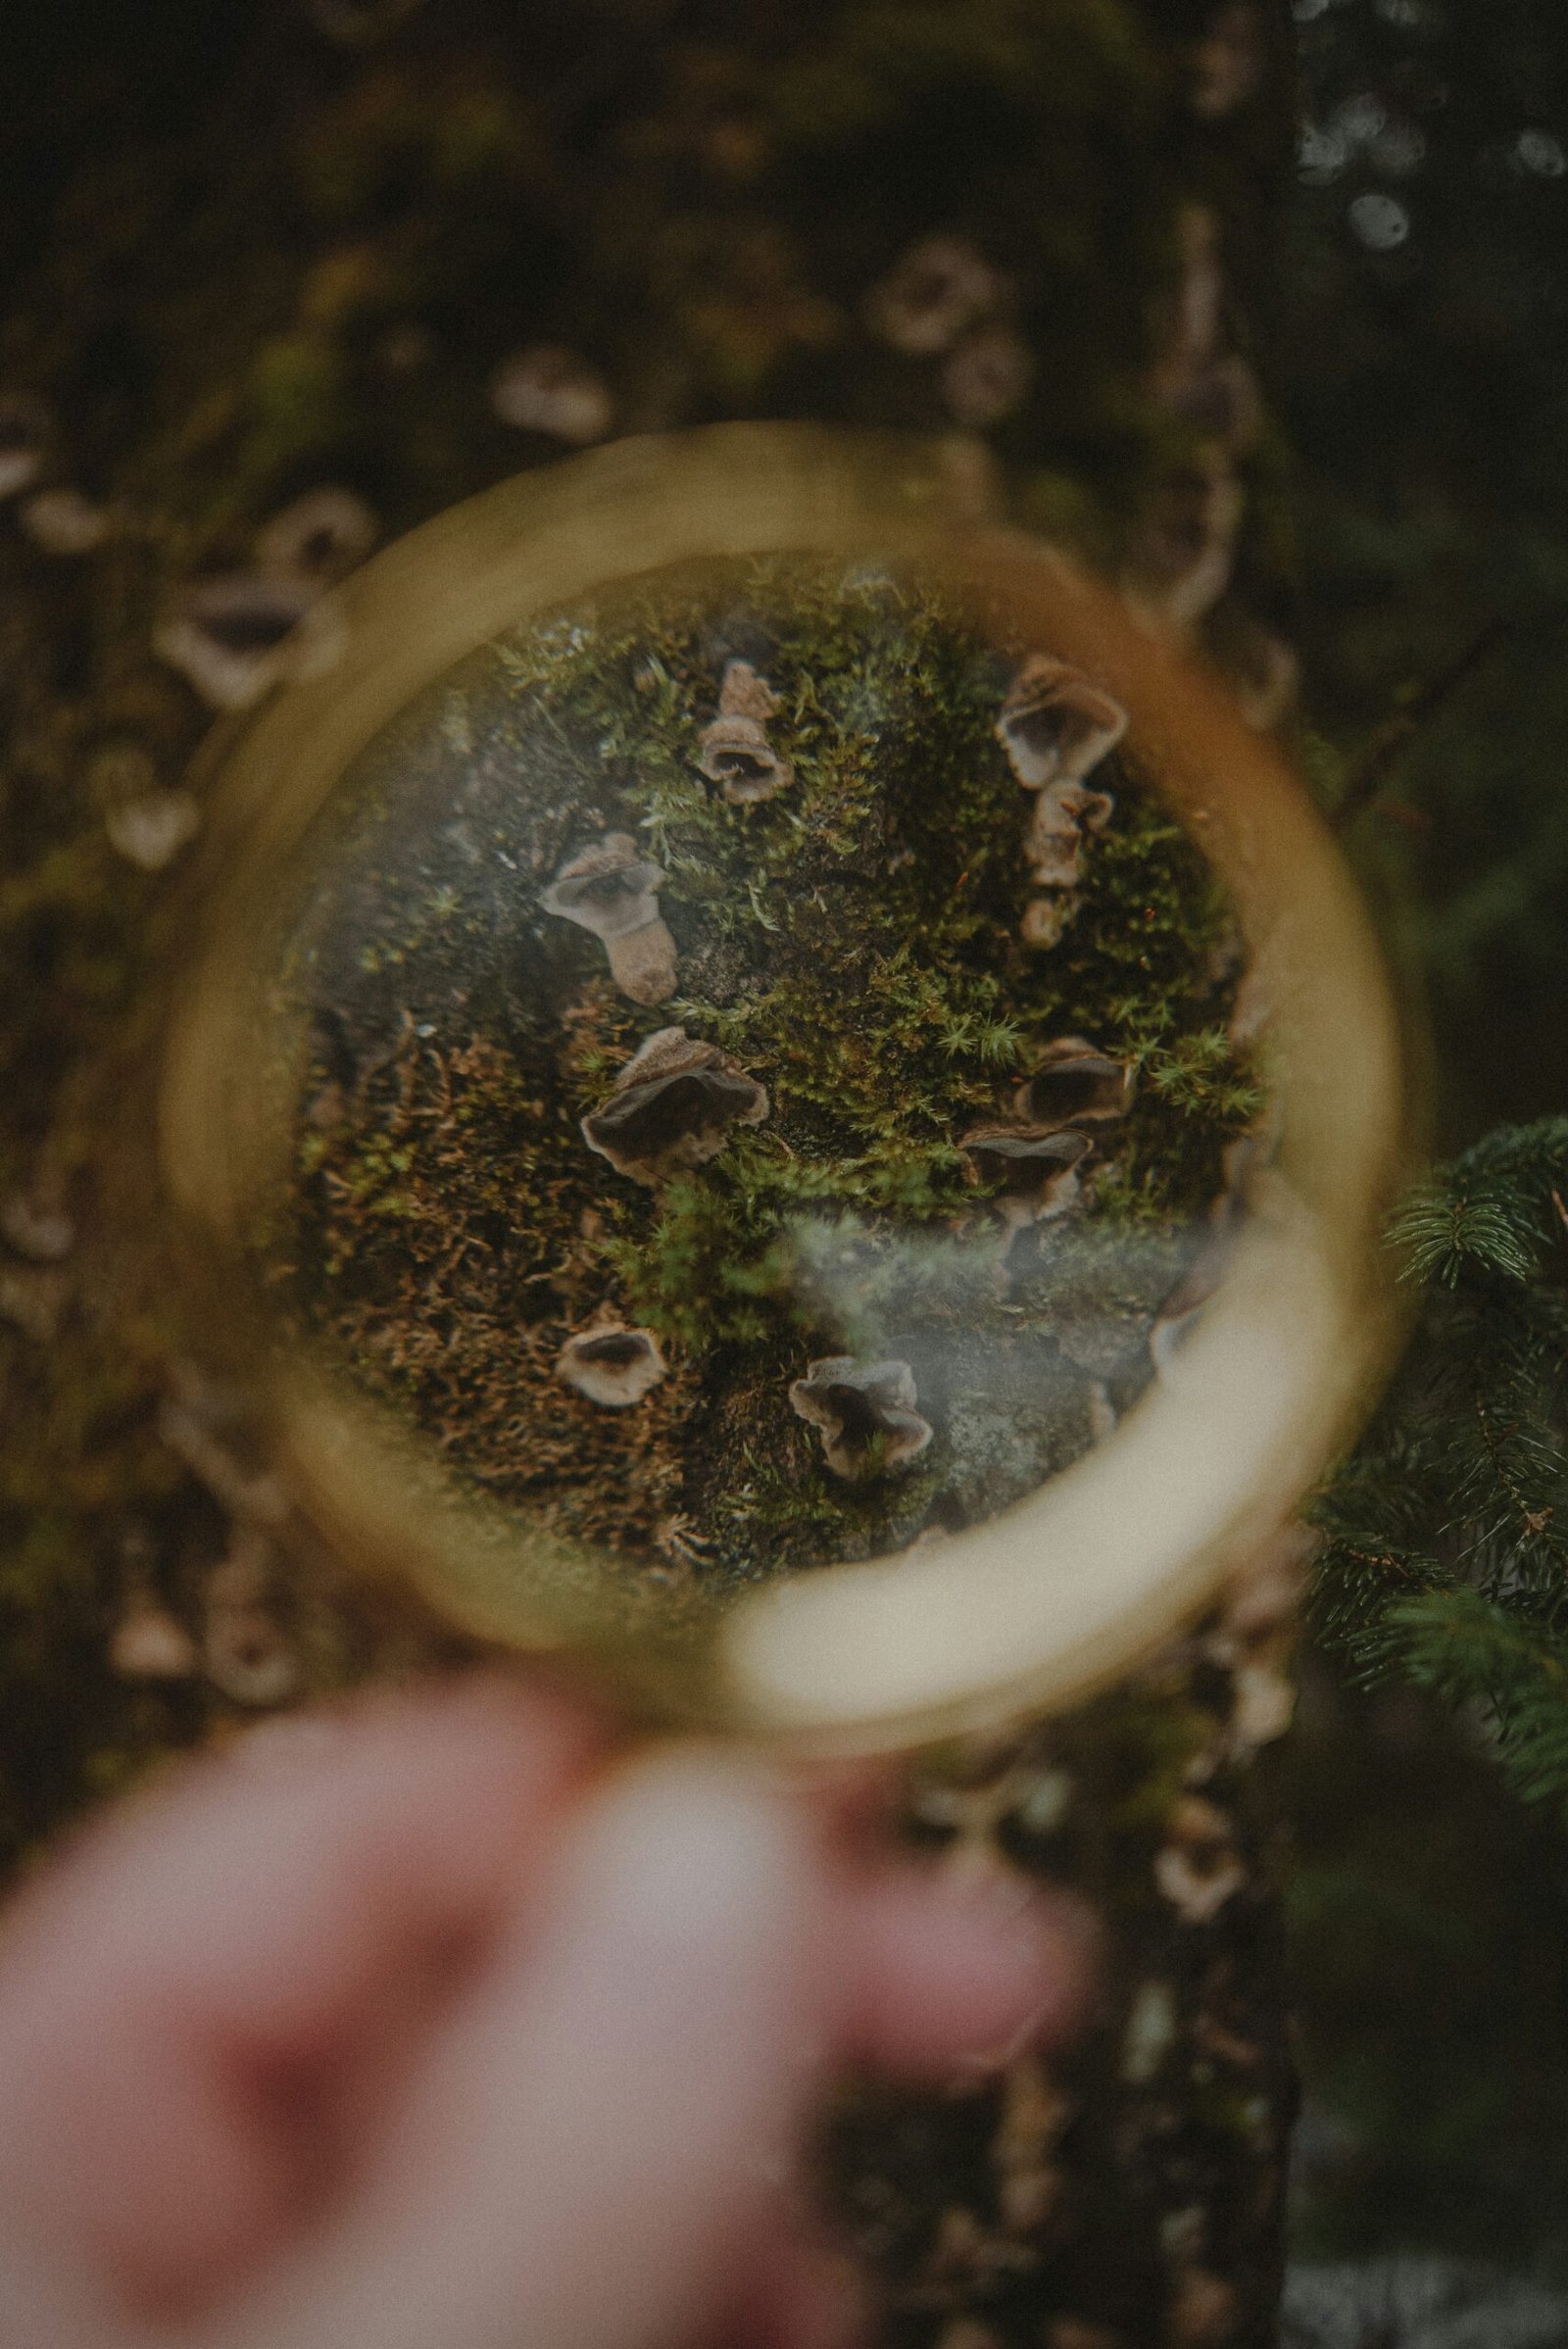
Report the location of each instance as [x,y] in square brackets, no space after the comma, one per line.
[611,889]
[1056,728]
[1075,1093]
[235,634]
[941,299]
[736,753]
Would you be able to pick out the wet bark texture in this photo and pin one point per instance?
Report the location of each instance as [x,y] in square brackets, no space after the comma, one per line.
[407,251]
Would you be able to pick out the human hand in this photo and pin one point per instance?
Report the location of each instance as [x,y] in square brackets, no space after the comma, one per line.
[440,2023]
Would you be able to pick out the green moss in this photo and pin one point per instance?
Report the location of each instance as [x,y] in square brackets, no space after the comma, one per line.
[853,942]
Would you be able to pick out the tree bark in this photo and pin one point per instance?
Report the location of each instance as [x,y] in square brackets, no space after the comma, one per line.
[352,245]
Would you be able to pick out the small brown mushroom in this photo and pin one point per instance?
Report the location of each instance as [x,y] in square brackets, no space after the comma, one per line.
[672,1107]
[550,389]
[1075,1085]
[235,636]
[1055,726]
[866,1414]
[62,522]
[317,539]
[149,1642]
[612,1364]
[1199,1868]
[936,292]
[738,756]
[149,832]
[1038,1167]
[987,376]
[611,889]
[38,1228]
[244,1652]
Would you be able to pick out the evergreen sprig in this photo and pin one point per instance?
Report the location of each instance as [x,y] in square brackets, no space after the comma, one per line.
[1445,1561]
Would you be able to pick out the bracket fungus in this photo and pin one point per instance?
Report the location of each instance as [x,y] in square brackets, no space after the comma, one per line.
[1054,725]
[736,753]
[865,1414]
[1075,1084]
[1038,1167]
[612,1365]
[613,889]
[673,1107]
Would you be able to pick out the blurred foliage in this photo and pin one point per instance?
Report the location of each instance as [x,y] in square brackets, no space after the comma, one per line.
[1422,364]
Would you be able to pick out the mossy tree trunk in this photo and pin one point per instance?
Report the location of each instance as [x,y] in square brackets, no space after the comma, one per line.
[406,252]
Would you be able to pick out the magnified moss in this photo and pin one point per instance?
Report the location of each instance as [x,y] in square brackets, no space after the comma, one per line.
[846,1000]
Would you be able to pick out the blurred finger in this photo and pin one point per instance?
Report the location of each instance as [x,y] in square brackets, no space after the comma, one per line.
[595,2137]
[182,2002]
[945,1971]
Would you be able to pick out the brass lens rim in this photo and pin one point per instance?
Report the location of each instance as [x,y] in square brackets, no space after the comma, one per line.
[1062,1592]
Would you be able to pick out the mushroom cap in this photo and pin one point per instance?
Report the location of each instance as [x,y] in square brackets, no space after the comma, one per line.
[609,888]
[316,537]
[548,388]
[63,521]
[149,1642]
[673,1106]
[856,1405]
[1075,1085]
[738,756]
[1037,1164]
[1055,726]
[612,1364]
[233,636]
[1029,1146]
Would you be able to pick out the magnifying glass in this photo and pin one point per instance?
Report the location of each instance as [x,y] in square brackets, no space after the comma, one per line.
[776,1097]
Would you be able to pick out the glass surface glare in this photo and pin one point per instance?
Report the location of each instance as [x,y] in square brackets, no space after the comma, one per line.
[773,1059]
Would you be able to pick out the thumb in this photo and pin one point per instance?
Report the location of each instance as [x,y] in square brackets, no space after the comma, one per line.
[593,2131]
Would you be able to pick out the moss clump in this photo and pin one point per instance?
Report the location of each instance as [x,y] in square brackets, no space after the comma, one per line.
[853,943]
